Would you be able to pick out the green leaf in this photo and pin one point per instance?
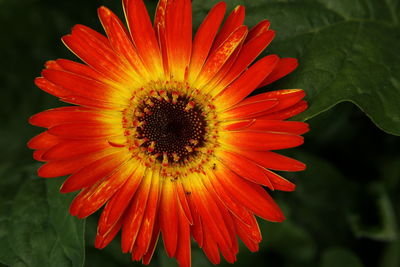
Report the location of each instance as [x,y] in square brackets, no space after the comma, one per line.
[288,239]
[348,51]
[36,228]
[335,257]
[323,199]
[391,255]
[386,227]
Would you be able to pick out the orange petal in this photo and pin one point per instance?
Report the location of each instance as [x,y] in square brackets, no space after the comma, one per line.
[252,196]
[92,198]
[168,218]
[196,228]
[117,205]
[220,55]
[79,85]
[57,168]
[210,247]
[38,155]
[143,36]
[43,141]
[183,249]
[249,52]
[178,33]
[244,168]
[153,243]
[283,68]
[80,69]
[261,28]
[62,115]
[119,40]
[51,88]
[259,141]
[159,28]
[204,38]
[291,127]
[279,182]
[134,214]
[234,20]
[103,240]
[81,130]
[274,161]
[93,103]
[210,215]
[287,113]
[247,82]
[250,235]
[95,171]
[286,98]
[143,240]
[234,207]
[249,110]
[72,149]
[180,192]
[95,50]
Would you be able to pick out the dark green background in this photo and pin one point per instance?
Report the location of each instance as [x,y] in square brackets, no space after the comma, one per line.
[345,210]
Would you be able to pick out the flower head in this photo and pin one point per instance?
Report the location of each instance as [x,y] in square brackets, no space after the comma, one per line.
[161,133]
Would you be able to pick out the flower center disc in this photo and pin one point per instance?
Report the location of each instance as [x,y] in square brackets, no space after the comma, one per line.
[171,127]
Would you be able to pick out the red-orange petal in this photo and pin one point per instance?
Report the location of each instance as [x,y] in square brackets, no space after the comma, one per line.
[153,243]
[169,218]
[81,130]
[283,68]
[43,141]
[57,168]
[249,110]
[232,205]
[143,35]
[250,195]
[274,161]
[259,141]
[210,215]
[134,216]
[247,82]
[72,149]
[92,198]
[291,127]
[210,248]
[62,115]
[95,50]
[95,171]
[178,35]
[119,40]
[279,182]
[143,240]
[51,88]
[204,38]
[79,85]
[183,249]
[181,194]
[245,168]
[118,204]
[220,55]
[249,52]
[234,21]
[259,29]
[80,69]
[103,240]
[287,113]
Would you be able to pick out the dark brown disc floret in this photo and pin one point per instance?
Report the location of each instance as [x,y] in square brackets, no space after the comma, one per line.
[171,127]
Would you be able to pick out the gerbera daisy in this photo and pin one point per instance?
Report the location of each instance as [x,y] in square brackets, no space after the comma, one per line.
[161,133]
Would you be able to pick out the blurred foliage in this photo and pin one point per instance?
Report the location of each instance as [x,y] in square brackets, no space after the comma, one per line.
[345,210]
